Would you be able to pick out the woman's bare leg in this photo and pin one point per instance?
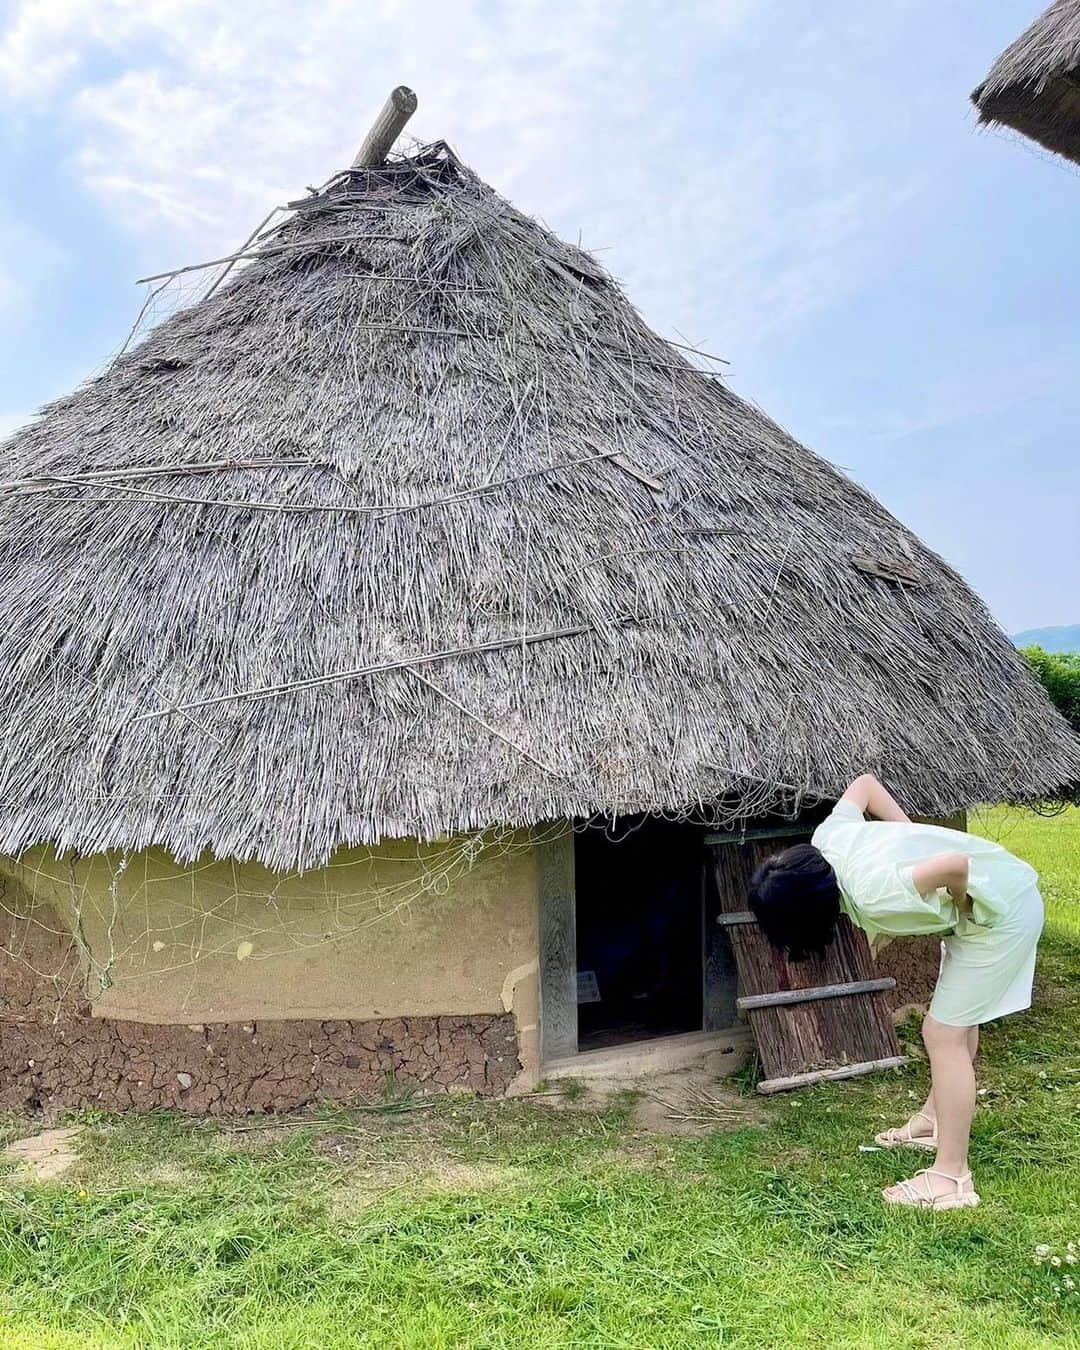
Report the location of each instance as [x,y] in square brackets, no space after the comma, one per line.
[928,1111]
[953,1077]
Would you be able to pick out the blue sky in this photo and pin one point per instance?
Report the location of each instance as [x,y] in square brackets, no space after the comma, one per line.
[800,188]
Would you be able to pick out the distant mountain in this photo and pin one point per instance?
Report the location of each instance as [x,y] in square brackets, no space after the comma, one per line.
[1064,639]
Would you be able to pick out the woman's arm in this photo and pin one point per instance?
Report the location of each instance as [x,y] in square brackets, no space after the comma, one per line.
[947,869]
[868,795]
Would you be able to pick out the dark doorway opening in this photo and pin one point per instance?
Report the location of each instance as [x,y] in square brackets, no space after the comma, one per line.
[639,888]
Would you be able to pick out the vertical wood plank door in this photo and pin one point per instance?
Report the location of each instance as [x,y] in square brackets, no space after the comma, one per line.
[823,1028]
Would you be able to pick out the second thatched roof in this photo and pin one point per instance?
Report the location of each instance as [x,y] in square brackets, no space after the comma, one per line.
[1034,86]
[414,526]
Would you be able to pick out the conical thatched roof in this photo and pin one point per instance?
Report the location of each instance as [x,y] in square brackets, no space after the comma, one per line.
[1034,86]
[414,526]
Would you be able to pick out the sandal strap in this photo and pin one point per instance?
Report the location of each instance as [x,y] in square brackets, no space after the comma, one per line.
[924,1198]
[914,1196]
[901,1134]
[948,1176]
[910,1187]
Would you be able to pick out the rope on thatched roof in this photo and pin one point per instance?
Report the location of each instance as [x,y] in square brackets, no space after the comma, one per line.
[475,717]
[403,663]
[377,511]
[270,251]
[1034,86]
[92,477]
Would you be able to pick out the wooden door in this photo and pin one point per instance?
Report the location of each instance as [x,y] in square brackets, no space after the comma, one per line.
[822,1018]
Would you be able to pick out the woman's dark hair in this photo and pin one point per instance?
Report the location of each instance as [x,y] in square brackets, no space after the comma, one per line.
[795,899]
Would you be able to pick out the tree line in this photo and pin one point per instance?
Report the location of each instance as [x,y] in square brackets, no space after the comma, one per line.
[1059,673]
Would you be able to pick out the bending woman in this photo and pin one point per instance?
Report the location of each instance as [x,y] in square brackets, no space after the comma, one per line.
[895,878]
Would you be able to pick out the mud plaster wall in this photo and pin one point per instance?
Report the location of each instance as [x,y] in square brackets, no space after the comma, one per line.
[226,988]
[913,963]
[399,929]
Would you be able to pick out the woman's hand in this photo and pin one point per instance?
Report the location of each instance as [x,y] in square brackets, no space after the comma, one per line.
[868,795]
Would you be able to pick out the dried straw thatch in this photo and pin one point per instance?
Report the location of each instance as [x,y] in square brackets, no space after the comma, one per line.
[1034,85]
[414,526]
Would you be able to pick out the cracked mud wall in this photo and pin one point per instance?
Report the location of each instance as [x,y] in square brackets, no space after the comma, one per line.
[236,1068]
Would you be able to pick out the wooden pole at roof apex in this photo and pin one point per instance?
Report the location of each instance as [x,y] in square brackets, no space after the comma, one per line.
[386,128]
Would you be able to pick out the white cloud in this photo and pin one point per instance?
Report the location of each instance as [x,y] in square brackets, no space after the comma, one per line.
[731,210]
[35,50]
[216,109]
[189,120]
[149,156]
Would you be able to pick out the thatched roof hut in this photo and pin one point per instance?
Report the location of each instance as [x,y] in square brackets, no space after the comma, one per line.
[414,527]
[1034,86]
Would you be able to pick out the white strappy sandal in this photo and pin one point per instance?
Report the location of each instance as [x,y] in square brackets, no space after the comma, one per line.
[924,1199]
[903,1138]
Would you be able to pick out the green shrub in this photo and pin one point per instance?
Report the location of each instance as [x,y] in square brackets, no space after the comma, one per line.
[1060,676]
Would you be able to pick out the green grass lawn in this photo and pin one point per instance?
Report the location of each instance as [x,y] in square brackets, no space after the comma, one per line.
[513,1224]
[1050,843]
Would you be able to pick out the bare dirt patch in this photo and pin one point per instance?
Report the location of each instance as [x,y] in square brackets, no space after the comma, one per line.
[451,1174]
[684,1101]
[693,1102]
[48,1155]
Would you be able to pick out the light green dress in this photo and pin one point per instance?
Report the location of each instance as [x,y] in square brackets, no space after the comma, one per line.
[988,965]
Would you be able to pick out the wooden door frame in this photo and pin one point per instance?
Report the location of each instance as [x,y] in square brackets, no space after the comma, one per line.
[557,922]
[557,946]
